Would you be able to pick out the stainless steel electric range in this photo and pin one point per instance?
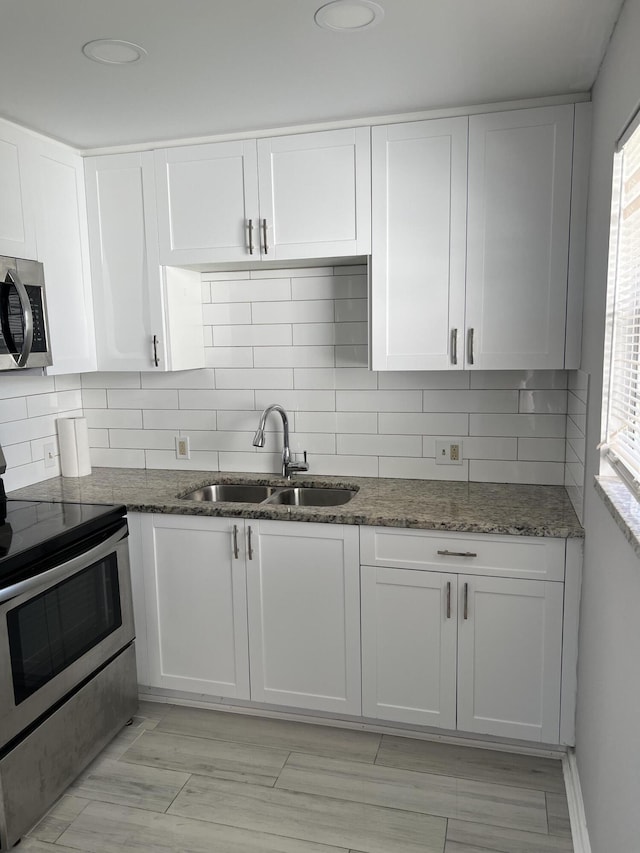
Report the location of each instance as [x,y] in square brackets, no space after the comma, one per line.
[67,659]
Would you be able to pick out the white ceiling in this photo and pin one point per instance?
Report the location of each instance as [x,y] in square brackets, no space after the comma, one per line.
[218,66]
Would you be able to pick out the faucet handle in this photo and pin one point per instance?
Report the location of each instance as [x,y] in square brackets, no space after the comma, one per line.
[296,467]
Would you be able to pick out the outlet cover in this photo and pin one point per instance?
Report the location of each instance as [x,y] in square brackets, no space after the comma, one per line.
[448,451]
[182,447]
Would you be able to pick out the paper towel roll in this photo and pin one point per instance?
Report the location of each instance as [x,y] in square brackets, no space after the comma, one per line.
[73,437]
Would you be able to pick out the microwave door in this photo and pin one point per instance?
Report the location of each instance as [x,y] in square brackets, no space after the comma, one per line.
[16,318]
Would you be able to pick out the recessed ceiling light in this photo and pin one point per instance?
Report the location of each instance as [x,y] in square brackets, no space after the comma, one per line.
[114,51]
[349,16]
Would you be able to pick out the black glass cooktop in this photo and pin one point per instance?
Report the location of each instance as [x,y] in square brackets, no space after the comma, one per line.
[36,535]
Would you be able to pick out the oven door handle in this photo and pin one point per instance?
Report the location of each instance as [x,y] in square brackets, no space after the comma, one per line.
[64,570]
[27,317]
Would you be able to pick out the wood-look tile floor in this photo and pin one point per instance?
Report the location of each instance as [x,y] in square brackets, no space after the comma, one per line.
[185,780]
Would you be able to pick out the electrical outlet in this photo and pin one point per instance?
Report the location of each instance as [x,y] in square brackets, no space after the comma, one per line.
[448,452]
[49,455]
[182,447]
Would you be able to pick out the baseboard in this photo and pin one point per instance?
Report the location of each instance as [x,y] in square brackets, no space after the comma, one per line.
[355,723]
[579,832]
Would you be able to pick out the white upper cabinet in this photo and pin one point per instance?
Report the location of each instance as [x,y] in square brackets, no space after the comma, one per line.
[315,196]
[63,248]
[147,317]
[419,193]
[208,203]
[313,199]
[471,270]
[518,238]
[17,206]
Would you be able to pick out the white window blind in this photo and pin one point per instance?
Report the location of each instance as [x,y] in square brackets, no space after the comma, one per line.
[622,427]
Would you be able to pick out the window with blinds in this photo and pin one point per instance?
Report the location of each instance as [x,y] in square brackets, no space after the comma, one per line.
[622,355]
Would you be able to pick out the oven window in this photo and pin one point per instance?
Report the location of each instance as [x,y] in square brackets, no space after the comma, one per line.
[53,629]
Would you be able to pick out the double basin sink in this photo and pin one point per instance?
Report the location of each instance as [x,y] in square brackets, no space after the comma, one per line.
[271,495]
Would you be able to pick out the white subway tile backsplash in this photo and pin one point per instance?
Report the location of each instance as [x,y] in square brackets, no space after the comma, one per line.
[299,337]
[544,402]
[526,426]
[271,290]
[176,419]
[470,401]
[306,401]
[379,401]
[380,445]
[545,379]
[14,409]
[244,399]
[254,378]
[153,439]
[436,380]
[541,449]
[301,356]
[435,423]
[179,379]
[139,399]
[351,310]
[421,469]
[106,457]
[308,311]
[484,471]
[227,314]
[116,418]
[273,335]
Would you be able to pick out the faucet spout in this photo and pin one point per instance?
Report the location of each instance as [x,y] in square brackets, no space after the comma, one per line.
[258,440]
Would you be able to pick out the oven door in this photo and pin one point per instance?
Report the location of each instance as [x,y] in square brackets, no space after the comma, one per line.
[60,627]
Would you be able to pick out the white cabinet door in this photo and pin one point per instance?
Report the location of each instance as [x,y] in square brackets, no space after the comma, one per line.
[146,317]
[304,615]
[315,194]
[509,657]
[63,248]
[17,218]
[196,605]
[419,192]
[208,203]
[518,238]
[409,640]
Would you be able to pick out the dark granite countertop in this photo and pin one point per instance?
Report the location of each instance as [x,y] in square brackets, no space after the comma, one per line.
[522,510]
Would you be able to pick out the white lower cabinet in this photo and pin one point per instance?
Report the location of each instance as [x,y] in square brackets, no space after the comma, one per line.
[477,653]
[453,631]
[304,615]
[196,607]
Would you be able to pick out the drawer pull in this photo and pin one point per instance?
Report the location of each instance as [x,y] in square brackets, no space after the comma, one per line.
[235,541]
[457,553]
[448,599]
[249,543]
[466,601]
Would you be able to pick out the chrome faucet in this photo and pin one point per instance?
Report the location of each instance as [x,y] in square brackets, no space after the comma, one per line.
[288,467]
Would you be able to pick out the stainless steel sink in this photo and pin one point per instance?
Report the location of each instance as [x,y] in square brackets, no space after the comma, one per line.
[279,495]
[233,492]
[309,496]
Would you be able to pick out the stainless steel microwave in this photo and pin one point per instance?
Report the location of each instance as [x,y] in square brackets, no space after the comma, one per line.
[24,330]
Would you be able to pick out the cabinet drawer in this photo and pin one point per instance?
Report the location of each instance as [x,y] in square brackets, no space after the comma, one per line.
[464,553]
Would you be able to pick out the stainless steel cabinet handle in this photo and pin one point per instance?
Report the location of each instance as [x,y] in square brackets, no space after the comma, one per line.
[249,544]
[156,360]
[457,553]
[235,541]
[448,599]
[454,346]
[251,236]
[264,236]
[27,317]
[466,601]
[470,346]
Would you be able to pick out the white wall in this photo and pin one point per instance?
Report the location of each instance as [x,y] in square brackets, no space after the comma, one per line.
[299,338]
[608,722]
